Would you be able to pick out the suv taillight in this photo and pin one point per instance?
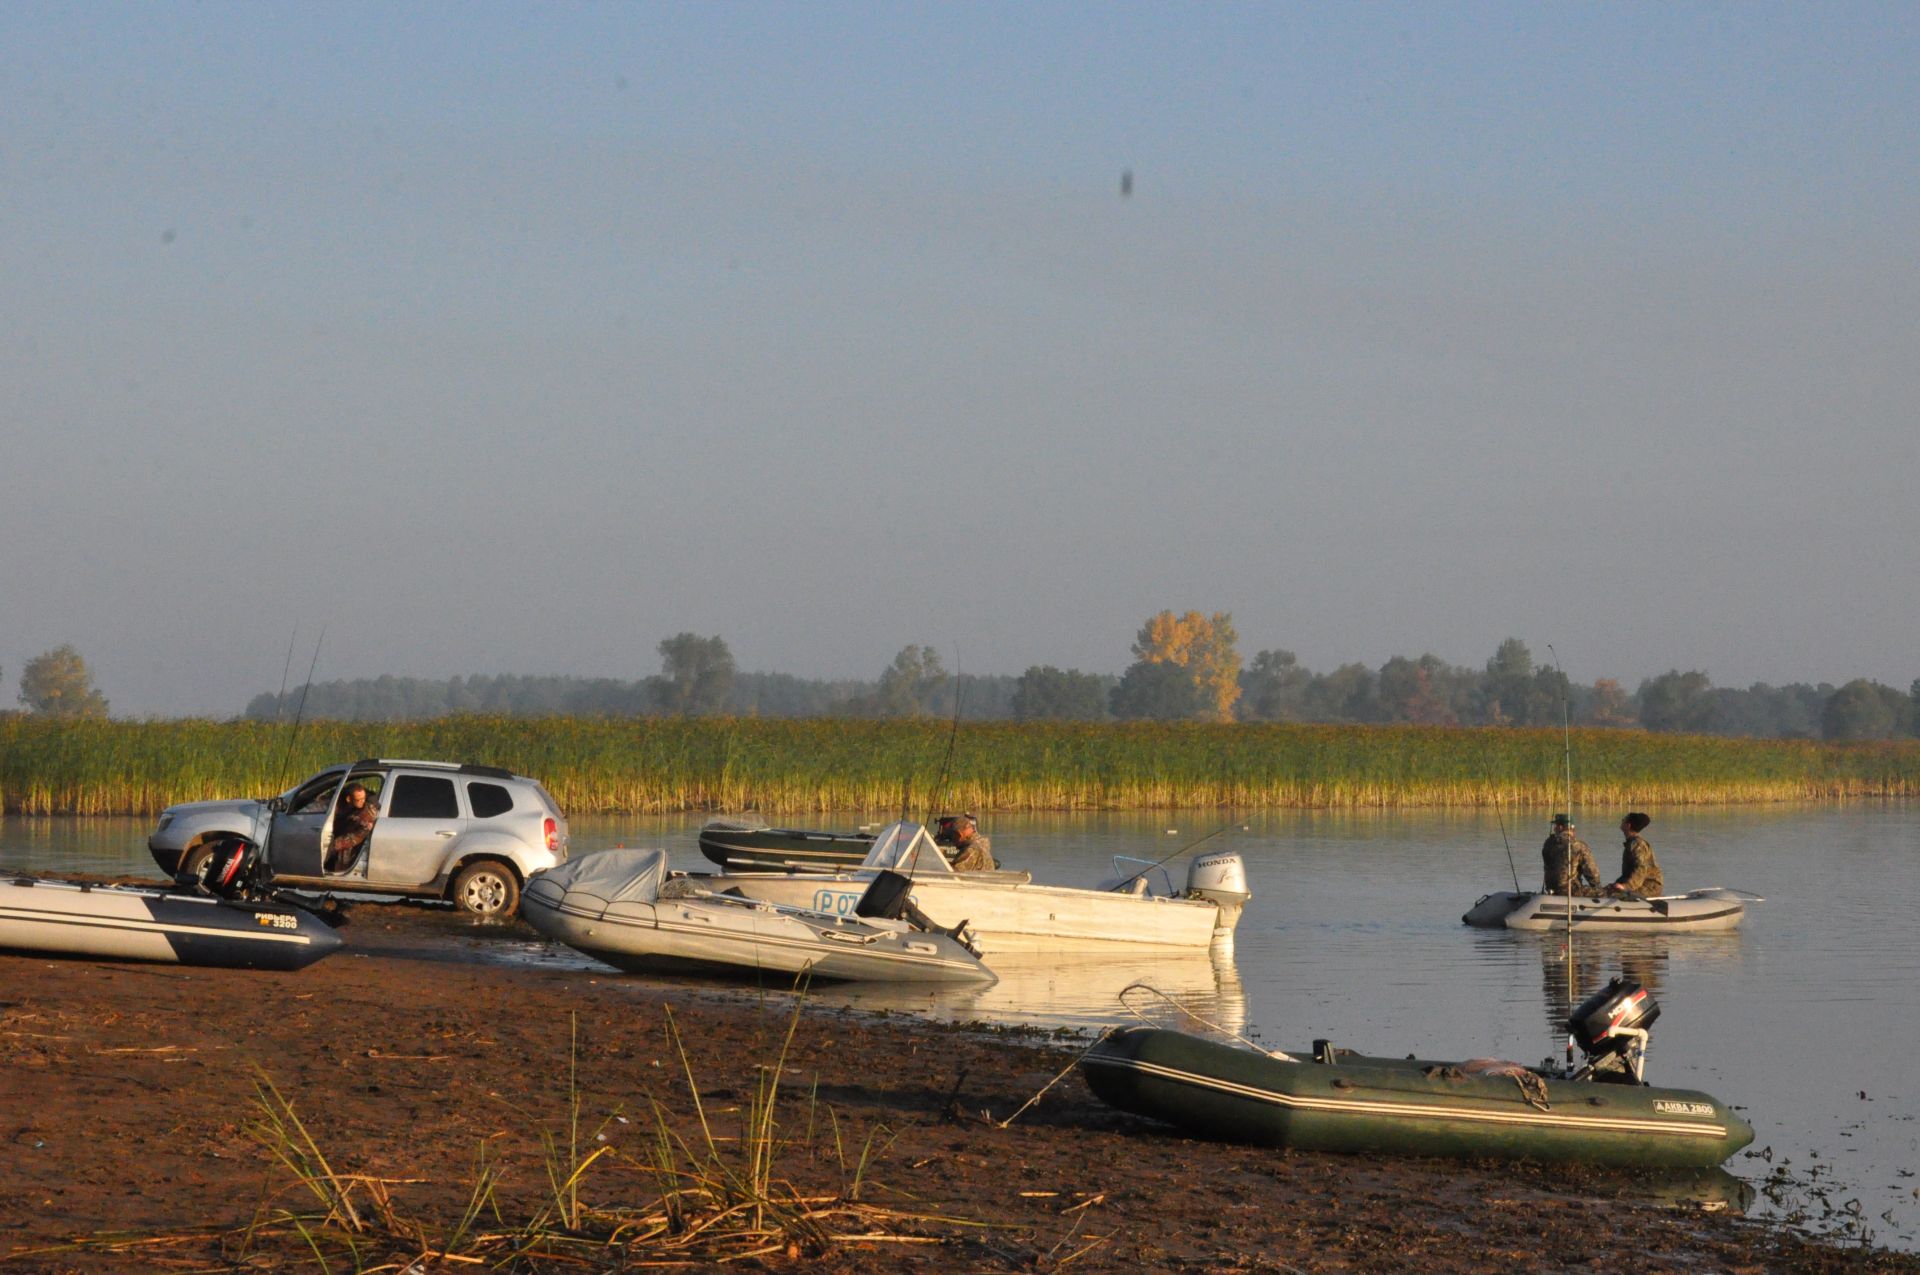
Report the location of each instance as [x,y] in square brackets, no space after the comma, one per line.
[552,832]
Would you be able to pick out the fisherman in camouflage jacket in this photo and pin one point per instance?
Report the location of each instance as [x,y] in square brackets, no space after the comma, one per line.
[1568,861]
[1639,870]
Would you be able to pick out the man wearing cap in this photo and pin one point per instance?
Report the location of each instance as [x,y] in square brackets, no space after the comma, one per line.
[1639,870]
[1568,861]
[959,837]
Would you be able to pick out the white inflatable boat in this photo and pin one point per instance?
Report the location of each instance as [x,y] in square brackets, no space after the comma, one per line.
[1705,911]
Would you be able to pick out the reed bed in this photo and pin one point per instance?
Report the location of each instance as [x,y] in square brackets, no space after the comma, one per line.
[604,765]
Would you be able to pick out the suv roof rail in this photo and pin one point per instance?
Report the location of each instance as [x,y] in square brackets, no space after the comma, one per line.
[491,772]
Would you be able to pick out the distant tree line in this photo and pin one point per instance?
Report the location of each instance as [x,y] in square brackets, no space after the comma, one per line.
[697,678]
[1186,667]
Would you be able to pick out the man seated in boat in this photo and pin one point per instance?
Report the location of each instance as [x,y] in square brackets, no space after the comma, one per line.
[1639,870]
[1569,862]
[959,838]
[352,825]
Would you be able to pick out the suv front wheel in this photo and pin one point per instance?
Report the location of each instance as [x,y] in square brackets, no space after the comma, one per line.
[485,887]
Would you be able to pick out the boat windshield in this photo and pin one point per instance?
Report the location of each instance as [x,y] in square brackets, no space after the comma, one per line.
[906,847]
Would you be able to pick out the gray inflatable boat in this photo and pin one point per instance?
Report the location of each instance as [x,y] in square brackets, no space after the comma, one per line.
[622,907]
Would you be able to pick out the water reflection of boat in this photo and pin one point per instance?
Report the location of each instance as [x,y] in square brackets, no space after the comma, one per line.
[1644,958]
[1709,1190]
[1199,991]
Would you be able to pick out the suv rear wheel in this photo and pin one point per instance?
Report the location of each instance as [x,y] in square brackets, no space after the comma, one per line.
[485,887]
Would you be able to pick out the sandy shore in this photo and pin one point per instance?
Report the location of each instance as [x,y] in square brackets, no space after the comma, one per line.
[422,1051]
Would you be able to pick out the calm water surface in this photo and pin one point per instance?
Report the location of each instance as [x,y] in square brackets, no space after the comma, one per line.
[1808,1018]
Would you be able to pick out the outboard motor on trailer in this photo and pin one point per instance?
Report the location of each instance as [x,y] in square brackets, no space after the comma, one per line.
[1612,1027]
[1221,879]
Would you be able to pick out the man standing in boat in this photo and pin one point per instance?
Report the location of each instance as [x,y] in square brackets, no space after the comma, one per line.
[1639,870]
[960,840]
[1569,862]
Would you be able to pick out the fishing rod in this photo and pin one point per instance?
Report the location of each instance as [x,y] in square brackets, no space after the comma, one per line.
[293,733]
[953,737]
[1566,737]
[1233,817]
[1566,724]
[280,700]
[1502,817]
[940,780]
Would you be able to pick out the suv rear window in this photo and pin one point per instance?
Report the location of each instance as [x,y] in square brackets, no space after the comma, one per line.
[423,797]
[488,800]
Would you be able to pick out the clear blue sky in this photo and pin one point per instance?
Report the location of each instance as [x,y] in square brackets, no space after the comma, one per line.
[516,338]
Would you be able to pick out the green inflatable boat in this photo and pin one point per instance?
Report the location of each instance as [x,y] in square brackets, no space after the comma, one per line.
[1337,1100]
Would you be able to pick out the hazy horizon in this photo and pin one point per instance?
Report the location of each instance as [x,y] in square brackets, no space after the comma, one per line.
[513,340]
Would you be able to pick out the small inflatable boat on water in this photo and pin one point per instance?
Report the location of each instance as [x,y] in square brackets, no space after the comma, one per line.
[1345,1102]
[1701,911]
[619,906]
[122,923]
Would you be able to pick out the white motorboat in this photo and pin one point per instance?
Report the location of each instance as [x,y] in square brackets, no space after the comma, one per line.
[1699,911]
[621,907]
[1007,910]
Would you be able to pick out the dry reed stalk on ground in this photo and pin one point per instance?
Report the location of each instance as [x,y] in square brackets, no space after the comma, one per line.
[712,1199]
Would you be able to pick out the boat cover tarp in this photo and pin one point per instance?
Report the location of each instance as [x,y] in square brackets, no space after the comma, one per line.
[616,876]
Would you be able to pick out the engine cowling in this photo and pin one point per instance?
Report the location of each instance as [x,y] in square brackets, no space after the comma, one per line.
[1221,879]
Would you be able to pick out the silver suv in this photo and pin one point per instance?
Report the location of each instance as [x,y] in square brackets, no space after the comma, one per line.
[471,834]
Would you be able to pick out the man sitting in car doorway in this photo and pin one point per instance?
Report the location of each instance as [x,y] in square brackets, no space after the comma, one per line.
[352,825]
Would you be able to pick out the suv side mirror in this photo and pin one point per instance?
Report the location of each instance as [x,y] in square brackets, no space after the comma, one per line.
[276,804]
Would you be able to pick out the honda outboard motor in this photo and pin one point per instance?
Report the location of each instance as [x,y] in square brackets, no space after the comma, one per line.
[1220,878]
[1612,1027]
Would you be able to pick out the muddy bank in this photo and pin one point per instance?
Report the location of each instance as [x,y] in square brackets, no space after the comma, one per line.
[418,1055]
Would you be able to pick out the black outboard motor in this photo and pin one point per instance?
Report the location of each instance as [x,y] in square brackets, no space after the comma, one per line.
[889,898]
[1612,1028]
[231,869]
[886,897]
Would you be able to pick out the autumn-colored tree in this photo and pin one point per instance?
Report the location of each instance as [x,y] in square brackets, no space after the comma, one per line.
[1611,705]
[1202,645]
